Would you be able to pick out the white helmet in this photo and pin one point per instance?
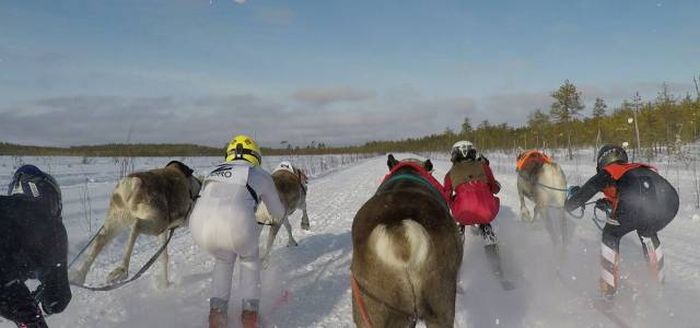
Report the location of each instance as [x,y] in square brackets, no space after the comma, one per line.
[463,150]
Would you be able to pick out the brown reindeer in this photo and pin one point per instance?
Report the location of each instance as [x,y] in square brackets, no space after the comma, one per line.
[542,181]
[291,184]
[406,252]
[148,203]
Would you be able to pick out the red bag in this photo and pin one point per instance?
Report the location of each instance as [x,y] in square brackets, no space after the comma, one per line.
[475,204]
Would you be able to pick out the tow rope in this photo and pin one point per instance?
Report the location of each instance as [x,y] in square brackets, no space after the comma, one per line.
[85,247]
[539,184]
[138,274]
[596,220]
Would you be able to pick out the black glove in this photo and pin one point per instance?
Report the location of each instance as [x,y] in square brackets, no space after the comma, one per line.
[571,191]
[603,204]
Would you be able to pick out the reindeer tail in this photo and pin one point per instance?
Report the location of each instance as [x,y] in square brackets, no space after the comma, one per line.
[405,246]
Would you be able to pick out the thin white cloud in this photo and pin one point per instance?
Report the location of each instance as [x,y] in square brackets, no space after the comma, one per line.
[326,96]
[213,120]
[355,117]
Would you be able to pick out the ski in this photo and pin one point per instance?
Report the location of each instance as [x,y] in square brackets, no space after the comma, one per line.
[494,258]
[505,283]
[600,305]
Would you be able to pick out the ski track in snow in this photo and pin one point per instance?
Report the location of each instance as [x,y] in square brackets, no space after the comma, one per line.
[315,275]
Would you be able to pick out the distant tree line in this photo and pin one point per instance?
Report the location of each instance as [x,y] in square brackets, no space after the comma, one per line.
[663,123]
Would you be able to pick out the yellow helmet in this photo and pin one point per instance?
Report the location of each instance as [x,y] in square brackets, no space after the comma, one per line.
[243,147]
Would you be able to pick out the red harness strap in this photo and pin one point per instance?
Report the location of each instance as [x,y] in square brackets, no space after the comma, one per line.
[357,294]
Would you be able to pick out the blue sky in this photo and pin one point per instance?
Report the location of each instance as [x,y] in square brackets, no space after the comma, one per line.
[340,72]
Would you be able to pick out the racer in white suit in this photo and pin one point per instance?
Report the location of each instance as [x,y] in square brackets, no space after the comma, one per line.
[223,223]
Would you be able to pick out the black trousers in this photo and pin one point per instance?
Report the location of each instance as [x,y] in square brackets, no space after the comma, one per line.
[646,204]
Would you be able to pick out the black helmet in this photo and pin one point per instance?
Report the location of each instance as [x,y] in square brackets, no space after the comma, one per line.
[610,154]
[42,187]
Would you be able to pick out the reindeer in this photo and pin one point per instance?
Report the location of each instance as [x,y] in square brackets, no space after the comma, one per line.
[291,183]
[542,181]
[150,203]
[406,252]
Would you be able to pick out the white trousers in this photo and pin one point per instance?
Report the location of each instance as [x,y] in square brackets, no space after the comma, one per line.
[249,280]
[229,234]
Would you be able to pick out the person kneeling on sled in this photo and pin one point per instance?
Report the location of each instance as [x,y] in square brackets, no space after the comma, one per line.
[223,223]
[472,187]
[33,245]
[636,198]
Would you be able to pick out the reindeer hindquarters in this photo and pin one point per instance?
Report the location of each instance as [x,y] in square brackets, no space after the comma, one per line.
[437,307]
[382,316]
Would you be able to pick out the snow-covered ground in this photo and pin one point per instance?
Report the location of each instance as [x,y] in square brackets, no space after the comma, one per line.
[308,286]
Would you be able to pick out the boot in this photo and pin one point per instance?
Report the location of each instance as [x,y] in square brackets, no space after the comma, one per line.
[218,316]
[606,290]
[654,256]
[249,313]
[487,234]
[249,319]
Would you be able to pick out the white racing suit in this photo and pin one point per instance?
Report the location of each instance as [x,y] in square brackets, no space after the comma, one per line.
[223,223]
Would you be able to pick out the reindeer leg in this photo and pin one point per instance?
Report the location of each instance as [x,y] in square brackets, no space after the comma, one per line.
[111,229]
[549,223]
[288,227]
[524,212]
[122,271]
[164,281]
[566,228]
[305,219]
[271,234]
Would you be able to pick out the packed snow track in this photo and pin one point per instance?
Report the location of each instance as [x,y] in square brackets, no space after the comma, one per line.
[308,285]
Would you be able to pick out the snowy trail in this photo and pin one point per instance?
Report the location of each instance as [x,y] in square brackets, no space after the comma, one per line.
[316,273]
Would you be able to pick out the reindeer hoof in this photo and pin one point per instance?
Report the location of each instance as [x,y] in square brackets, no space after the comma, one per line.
[119,274]
[292,243]
[305,225]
